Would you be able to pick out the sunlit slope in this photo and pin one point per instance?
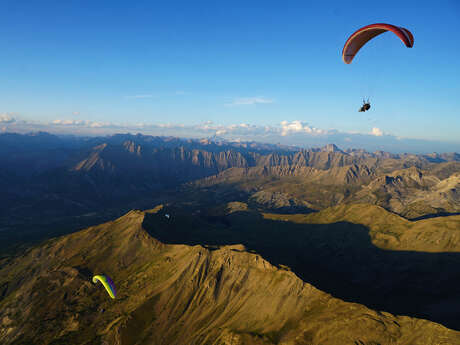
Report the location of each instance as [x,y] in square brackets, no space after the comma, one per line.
[177,294]
[388,230]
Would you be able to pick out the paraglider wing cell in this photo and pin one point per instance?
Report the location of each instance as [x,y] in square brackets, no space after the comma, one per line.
[366,33]
[108,284]
[409,36]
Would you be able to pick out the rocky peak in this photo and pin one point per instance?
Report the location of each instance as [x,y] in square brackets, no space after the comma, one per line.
[331,148]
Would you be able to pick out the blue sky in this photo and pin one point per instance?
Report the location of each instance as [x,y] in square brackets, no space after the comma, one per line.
[99,63]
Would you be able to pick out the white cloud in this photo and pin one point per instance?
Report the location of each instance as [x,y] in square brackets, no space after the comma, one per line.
[82,123]
[169,125]
[221,132]
[6,118]
[243,129]
[298,127]
[377,132]
[61,122]
[250,101]
[99,124]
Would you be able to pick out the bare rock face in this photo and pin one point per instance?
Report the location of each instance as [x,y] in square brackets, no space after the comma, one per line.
[178,294]
[236,206]
[413,193]
[277,200]
[331,148]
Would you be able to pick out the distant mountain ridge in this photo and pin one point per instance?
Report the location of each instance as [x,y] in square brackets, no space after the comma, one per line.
[44,176]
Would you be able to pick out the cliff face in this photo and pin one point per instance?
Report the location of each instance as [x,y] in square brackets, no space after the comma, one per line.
[215,161]
[413,193]
[179,294]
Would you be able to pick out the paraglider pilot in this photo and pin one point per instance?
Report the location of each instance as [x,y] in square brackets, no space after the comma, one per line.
[365,107]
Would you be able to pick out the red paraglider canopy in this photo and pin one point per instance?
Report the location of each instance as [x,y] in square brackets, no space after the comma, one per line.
[366,33]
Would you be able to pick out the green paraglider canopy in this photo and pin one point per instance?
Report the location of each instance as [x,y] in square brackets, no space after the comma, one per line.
[108,284]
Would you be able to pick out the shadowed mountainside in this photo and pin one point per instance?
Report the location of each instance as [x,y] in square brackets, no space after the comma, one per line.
[359,253]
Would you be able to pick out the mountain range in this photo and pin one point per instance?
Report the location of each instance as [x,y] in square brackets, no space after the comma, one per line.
[237,243]
[83,180]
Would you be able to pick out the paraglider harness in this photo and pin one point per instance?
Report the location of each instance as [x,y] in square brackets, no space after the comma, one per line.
[366,106]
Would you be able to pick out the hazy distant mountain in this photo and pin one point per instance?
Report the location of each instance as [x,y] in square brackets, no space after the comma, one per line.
[181,294]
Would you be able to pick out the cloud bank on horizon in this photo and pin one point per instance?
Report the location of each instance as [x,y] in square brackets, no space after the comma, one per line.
[7,118]
[296,133]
